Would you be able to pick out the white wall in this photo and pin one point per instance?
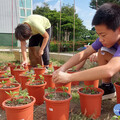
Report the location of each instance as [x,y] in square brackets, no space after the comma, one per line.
[6,15]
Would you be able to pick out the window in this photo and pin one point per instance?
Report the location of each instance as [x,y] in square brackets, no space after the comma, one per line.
[21,20]
[28,3]
[22,12]
[28,12]
[22,3]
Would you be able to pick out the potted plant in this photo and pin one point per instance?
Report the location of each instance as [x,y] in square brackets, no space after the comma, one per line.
[19,108]
[57,65]
[14,87]
[13,66]
[25,77]
[2,71]
[90,101]
[39,70]
[48,78]
[57,105]
[73,70]
[50,64]
[36,89]
[63,87]
[6,77]
[18,71]
[117,86]
[95,83]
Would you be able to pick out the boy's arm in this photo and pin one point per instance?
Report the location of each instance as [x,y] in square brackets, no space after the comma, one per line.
[23,49]
[96,73]
[45,40]
[77,58]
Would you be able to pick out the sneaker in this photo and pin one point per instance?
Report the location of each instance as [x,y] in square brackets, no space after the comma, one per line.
[109,91]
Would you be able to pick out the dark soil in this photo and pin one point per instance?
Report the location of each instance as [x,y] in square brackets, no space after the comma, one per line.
[58,96]
[18,102]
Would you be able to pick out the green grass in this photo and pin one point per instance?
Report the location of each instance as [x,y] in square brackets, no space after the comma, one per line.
[6,57]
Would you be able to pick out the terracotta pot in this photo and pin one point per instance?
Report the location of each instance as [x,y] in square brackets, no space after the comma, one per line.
[29,67]
[56,67]
[6,79]
[39,71]
[91,103]
[17,72]
[50,65]
[12,67]
[74,82]
[117,86]
[4,95]
[24,79]
[48,79]
[24,112]
[36,91]
[2,73]
[95,83]
[57,110]
[68,85]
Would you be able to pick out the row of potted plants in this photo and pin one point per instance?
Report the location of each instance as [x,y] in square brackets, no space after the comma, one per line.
[84,108]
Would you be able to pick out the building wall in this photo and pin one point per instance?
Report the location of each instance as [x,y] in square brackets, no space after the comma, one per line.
[6,15]
[12,12]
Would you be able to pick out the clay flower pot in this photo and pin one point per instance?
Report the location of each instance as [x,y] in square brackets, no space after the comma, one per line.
[17,72]
[39,71]
[4,95]
[91,103]
[74,82]
[24,79]
[57,109]
[50,65]
[117,86]
[36,91]
[95,83]
[6,79]
[68,85]
[2,73]
[23,112]
[56,67]
[48,79]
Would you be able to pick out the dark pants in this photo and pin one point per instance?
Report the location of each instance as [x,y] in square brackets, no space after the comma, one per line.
[36,40]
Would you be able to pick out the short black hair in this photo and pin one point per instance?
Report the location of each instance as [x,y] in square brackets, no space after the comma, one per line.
[109,15]
[22,32]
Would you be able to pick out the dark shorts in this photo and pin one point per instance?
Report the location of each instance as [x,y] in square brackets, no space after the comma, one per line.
[36,40]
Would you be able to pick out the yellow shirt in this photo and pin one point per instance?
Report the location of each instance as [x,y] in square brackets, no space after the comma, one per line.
[38,24]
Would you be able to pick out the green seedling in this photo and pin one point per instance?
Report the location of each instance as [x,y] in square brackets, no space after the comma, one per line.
[14,99]
[31,78]
[50,70]
[64,89]
[3,83]
[7,74]
[12,96]
[39,66]
[115,117]
[13,80]
[89,89]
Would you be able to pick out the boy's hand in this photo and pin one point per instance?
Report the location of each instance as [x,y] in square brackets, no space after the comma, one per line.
[24,63]
[41,52]
[94,57]
[61,77]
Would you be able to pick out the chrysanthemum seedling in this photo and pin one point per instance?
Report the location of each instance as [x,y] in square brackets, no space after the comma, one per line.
[3,83]
[39,66]
[89,90]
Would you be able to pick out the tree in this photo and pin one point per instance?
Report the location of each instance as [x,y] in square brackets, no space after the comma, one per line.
[100,2]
